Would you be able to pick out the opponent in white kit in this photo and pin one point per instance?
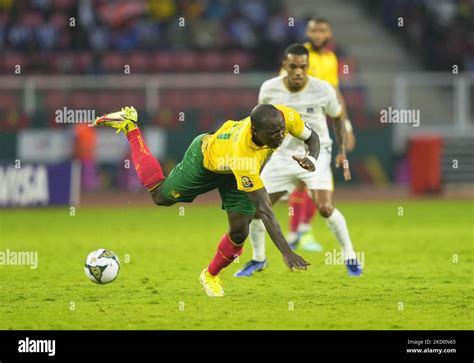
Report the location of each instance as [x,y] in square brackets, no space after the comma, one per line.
[313,99]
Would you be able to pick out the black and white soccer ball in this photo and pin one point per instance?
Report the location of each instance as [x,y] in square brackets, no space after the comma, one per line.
[102,266]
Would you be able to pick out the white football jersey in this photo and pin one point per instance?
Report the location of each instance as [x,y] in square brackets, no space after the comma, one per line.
[316,100]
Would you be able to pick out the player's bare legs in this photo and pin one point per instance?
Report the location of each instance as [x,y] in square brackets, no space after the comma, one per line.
[238,227]
[158,198]
[334,220]
[338,226]
[323,198]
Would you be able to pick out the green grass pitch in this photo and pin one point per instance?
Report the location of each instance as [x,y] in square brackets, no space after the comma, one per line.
[418,271]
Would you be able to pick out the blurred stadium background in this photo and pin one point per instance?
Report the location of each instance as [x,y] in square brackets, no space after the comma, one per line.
[187,66]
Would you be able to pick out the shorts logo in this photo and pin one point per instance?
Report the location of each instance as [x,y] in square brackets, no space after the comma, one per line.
[310,110]
[175,194]
[246,182]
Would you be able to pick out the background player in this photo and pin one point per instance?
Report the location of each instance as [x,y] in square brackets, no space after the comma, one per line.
[313,99]
[228,160]
[323,64]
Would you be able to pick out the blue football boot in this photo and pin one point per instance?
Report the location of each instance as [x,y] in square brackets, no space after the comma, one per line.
[251,267]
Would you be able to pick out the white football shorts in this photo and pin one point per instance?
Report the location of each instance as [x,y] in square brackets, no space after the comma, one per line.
[282,173]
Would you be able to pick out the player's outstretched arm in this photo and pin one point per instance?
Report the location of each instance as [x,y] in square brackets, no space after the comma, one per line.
[350,137]
[341,158]
[313,145]
[263,204]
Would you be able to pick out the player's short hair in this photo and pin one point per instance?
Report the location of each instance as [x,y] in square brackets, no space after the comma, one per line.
[296,49]
[262,114]
[319,20]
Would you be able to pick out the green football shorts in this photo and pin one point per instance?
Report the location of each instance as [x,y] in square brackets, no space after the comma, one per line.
[189,179]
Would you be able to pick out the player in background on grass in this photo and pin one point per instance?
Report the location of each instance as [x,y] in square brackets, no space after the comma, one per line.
[323,64]
[228,160]
[313,99]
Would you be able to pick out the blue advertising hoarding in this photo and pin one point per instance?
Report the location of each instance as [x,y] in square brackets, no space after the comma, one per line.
[37,184]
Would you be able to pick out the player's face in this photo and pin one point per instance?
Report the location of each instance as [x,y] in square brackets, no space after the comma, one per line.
[297,68]
[319,33]
[273,134]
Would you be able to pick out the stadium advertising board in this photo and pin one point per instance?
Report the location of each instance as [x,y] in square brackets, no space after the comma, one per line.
[36,184]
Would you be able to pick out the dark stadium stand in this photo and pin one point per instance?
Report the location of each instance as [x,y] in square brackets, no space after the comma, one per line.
[438,32]
[108,35]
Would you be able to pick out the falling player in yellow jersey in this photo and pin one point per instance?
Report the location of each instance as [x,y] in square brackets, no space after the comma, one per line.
[228,160]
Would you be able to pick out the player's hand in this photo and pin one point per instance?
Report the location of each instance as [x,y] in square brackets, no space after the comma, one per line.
[294,261]
[305,162]
[341,160]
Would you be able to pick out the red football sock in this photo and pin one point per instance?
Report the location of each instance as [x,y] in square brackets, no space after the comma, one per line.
[296,202]
[148,168]
[309,209]
[227,251]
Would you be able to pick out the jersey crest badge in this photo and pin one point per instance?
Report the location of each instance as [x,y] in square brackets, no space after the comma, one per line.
[246,182]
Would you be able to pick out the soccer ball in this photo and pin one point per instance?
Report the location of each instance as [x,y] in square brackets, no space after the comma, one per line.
[102,266]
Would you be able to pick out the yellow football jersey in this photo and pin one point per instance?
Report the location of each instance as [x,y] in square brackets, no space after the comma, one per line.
[323,66]
[230,150]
